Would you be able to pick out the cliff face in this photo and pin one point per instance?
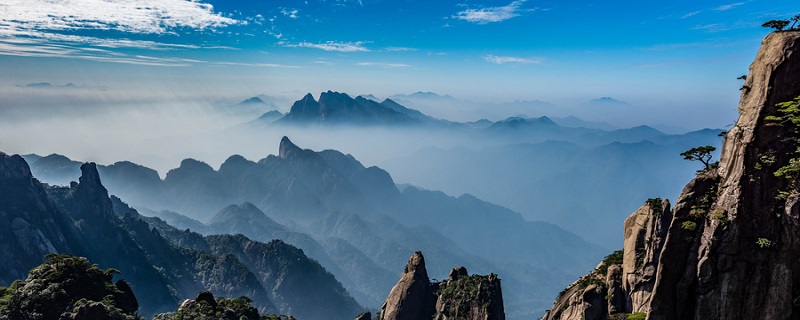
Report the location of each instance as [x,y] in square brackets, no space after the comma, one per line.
[623,282]
[413,296]
[731,246]
[747,257]
[461,296]
[31,225]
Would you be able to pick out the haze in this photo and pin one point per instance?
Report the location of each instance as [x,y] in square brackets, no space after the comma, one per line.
[154,84]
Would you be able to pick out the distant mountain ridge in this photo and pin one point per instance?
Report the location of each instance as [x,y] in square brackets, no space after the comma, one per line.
[334,108]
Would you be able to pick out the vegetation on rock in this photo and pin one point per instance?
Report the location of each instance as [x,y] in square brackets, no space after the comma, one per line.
[206,307]
[68,287]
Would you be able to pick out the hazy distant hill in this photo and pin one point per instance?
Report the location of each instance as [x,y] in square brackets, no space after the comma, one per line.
[334,108]
[586,189]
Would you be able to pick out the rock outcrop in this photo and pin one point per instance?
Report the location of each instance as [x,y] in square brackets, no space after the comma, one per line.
[413,297]
[623,282]
[31,225]
[67,287]
[461,296]
[745,265]
[730,248]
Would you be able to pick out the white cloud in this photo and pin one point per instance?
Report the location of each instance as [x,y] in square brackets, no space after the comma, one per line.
[383,65]
[62,46]
[726,7]
[134,16]
[491,14]
[506,59]
[290,13]
[357,46]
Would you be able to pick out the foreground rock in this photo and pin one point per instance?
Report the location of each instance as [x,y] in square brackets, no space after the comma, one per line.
[623,282]
[731,246]
[461,296]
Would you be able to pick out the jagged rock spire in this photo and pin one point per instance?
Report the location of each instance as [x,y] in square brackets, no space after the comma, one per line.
[412,297]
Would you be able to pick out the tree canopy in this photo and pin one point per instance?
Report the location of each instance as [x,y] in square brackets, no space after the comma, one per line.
[776,24]
[702,154]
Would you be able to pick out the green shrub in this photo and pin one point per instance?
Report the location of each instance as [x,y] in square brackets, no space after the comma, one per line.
[637,316]
[689,225]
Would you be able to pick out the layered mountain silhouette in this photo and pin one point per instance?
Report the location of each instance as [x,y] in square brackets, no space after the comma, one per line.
[334,108]
[331,206]
[82,219]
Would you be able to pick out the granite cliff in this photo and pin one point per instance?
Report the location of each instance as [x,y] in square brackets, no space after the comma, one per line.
[729,249]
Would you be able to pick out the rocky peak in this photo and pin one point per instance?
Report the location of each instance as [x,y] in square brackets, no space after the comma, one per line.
[460,297]
[90,178]
[90,199]
[31,225]
[304,109]
[290,151]
[413,296]
[332,97]
[14,168]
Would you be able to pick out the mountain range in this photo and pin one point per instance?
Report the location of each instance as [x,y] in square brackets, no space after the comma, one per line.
[162,264]
[352,219]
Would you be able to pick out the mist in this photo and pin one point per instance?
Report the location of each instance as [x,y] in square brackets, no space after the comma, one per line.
[562,177]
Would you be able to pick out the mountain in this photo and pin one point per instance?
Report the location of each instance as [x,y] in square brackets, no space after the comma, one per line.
[334,108]
[575,122]
[82,219]
[729,247]
[267,118]
[334,202]
[601,182]
[452,109]
[607,101]
[253,101]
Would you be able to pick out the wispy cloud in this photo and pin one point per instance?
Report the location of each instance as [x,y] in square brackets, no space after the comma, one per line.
[45,28]
[357,46]
[727,7]
[491,14]
[64,48]
[507,59]
[719,27]
[133,16]
[291,13]
[400,49]
[383,65]
[724,7]
[691,14]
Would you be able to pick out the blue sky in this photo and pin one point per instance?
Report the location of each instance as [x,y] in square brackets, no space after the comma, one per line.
[675,59]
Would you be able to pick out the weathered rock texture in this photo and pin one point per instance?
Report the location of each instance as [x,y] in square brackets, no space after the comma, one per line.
[747,259]
[413,297]
[623,282]
[461,296]
[731,248]
[30,223]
